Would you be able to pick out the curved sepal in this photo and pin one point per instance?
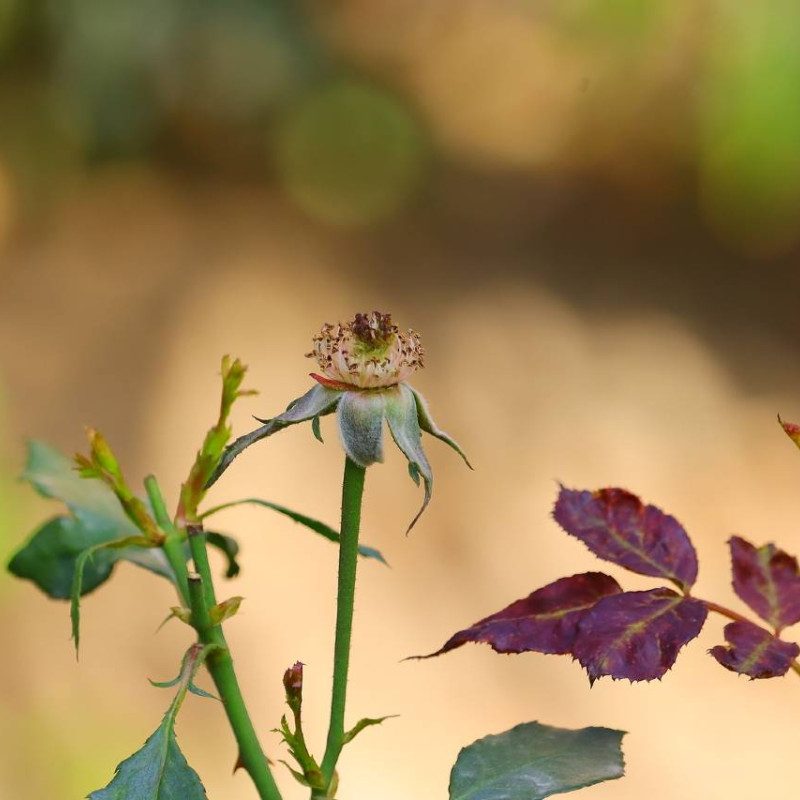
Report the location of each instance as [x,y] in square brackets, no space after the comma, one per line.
[316,402]
[427,424]
[360,417]
[401,415]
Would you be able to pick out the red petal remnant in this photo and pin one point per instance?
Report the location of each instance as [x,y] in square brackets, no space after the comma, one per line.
[792,430]
[545,621]
[768,580]
[615,525]
[637,635]
[754,652]
[329,383]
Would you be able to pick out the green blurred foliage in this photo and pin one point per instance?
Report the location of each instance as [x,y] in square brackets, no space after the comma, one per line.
[750,117]
[334,98]
[350,153]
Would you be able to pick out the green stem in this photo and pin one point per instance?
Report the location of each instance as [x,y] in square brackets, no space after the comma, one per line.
[352,491]
[220,665]
[172,546]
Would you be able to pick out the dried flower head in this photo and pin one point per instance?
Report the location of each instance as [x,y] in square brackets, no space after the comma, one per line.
[368,352]
[365,363]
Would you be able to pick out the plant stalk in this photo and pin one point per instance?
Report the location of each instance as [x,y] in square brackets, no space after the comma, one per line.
[220,665]
[352,492]
[197,592]
[172,546]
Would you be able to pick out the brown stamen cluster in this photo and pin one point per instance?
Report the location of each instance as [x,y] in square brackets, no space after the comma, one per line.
[368,352]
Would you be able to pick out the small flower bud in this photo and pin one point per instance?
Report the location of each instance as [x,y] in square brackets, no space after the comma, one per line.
[293,683]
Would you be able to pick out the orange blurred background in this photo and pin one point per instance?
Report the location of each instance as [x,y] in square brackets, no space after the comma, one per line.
[591,211]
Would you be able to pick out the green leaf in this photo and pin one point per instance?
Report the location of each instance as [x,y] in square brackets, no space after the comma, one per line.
[77,578]
[229,547]
[159,770]
[49,556]
[533,761]
[315,525]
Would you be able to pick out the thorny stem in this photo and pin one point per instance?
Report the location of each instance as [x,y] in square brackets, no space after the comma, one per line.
[220,664]
[737,617]
[197,591]
[352,491]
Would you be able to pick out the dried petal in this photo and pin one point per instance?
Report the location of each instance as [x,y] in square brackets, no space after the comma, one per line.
[754,652]
[615,525]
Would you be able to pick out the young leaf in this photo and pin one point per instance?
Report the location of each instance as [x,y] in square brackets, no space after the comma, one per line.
[768,580]
[533,761]
[210,453]
[545,621]
[331,534]
[615,525]
[637,635]
[754,652]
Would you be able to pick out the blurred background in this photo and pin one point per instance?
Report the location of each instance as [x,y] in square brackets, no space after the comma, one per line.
[591,211]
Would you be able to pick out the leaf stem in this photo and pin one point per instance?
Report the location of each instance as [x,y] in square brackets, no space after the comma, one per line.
[352,492]
[220,665]
[172,546]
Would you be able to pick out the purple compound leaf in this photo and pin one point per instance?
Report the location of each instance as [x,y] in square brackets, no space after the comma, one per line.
[615,525]
[637,635]
[545,621]
[754,652]
[768,580]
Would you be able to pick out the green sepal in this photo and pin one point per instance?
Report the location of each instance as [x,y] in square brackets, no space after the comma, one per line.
[360,418]
[427,424]
[331,534]
[316,429]
[365,723]
[401,416]
[317,401]
[298,776]
[533,761]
